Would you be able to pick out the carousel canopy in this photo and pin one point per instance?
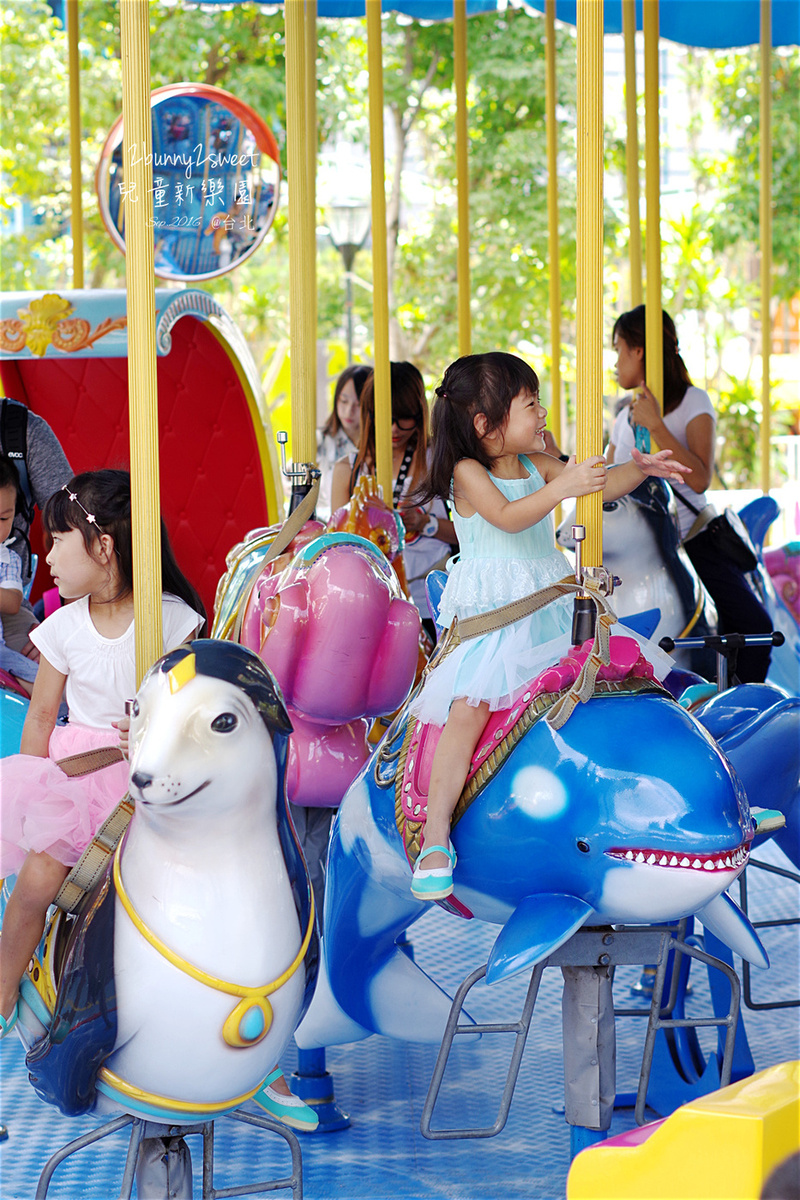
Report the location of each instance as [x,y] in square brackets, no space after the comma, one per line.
[714,24]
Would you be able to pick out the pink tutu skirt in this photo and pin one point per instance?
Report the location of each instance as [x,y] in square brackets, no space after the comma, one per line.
[44,810]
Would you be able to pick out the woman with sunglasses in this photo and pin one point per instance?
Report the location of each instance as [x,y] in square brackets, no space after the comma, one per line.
[430,535]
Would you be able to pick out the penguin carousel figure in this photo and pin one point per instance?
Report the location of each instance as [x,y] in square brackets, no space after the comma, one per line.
[172,992]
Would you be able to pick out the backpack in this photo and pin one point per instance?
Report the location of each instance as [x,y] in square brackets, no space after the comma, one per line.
[14,439]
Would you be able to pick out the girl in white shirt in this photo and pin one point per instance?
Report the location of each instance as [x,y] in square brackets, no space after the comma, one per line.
[687,428]
[48,818]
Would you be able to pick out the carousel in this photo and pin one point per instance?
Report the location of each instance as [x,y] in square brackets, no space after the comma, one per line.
[639,832]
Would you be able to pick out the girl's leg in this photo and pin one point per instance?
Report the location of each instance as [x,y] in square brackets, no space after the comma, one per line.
[465,723]
[38,881]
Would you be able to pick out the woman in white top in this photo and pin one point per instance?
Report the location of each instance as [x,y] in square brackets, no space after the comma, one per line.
[340,434]
[687,428]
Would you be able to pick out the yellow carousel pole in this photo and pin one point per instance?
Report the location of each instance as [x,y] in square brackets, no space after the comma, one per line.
[302,332]
[311,215]
[76,205]
[462,173]
[632,152]
[765,221]
[589,309]
[380,269]
[553,243]
[654,336]
[142,384]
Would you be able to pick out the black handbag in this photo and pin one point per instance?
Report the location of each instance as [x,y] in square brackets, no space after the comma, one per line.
[728,536]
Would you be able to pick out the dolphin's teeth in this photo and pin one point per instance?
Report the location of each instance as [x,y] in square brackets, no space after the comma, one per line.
[685,862]
[651,858]
[708,865]
[629,855]
[662,862]
[696,864]
[673,862]
[639,856]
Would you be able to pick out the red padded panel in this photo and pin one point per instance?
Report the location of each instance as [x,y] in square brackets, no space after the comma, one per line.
[212,484]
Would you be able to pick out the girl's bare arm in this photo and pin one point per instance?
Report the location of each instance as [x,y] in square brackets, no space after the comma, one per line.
[628,475]
[474,491]
[48,689]
[340,484]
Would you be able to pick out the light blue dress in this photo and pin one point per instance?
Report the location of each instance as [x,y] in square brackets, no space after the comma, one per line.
[493,569]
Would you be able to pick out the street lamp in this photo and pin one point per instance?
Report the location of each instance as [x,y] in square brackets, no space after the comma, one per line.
[348,226]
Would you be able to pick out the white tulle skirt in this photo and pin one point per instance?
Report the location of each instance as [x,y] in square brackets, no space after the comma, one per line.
[44,810]
[498,667]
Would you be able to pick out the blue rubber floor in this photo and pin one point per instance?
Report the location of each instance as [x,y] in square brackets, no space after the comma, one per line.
[382,1084]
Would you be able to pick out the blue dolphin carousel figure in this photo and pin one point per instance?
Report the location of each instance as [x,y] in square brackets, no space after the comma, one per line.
[173,991]
[625,813]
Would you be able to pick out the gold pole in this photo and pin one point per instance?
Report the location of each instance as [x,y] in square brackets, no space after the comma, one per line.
[654,335]
[632,151]
[765,220]
[553,244]
[301,330]
[142,382]
[462,173]
[380,270]
[76,207]
[311,230]
[590,264]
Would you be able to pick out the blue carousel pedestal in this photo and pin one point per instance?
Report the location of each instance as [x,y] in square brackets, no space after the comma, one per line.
[314,1084]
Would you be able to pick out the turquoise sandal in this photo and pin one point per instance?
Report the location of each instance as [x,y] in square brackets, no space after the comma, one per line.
[436,883]
[289,1110]
[7,1025]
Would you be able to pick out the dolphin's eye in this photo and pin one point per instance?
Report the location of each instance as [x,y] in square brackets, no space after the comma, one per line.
[582,846]
[610,506]
[224,723]
[135,708]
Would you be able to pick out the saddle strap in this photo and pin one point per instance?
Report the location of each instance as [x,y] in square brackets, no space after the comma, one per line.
[89,761]
[498,618]
[288,531]
[92,863]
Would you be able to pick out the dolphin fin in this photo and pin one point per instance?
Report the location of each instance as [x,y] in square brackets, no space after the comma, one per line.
[537,927]
[731,926]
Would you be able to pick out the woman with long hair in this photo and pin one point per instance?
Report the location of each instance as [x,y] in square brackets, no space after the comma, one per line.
[687,428]
[429,530]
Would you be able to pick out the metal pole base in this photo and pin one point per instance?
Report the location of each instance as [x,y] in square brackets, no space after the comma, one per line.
[144,1132]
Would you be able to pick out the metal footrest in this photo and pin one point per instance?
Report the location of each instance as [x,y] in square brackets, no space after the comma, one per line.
[142,1130]
[604,947]
[746,973]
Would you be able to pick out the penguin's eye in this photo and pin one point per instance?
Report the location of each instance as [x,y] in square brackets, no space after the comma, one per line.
[224,723]
[610,506]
